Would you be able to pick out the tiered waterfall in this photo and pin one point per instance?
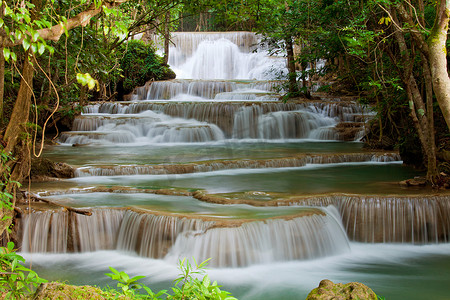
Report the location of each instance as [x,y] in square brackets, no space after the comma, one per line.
[213,165]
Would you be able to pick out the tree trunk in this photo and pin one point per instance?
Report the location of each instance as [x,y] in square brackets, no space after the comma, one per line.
[21,111]
[438,58]
[420,113]
[2,74]
[293,86]
[166,37]
[2,85]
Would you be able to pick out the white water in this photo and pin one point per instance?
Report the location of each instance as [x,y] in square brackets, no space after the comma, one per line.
[173,237]
[412,276]
[211,68]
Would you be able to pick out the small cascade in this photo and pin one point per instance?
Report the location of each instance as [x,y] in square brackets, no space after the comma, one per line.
[148,127]
[273,240]
[153,235]
[397,220]
[389,219]
[45,231]
[206,166]
[293,125]
[98,231]
[231,243]
[172,89]
[62,231]
[260,120]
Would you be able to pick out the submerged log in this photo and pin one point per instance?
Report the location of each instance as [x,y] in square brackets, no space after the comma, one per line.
[36,198]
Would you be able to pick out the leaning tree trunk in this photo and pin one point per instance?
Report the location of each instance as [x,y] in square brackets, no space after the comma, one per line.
[16,138]
[438,58]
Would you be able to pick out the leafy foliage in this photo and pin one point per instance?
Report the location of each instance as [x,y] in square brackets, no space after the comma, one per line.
[6,199]
[194,288]
[16,281]
[187,285]
[140,64]
[129,286]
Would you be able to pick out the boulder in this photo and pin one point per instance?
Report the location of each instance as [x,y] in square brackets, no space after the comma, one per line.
[328,290]
[43,168]
[56,290]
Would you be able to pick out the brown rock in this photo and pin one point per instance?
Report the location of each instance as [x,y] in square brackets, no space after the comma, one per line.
[42,168]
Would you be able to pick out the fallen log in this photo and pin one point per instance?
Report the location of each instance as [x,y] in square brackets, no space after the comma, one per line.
[36,198]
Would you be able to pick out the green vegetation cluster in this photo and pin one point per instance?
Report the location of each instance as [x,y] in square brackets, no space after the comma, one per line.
[141,64]
[19,282]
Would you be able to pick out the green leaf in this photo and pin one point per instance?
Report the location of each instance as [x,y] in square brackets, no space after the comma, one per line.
[6,53]
[1,22]
[34,48]
[35,36]
[26,44]
[41,48]
[421,112]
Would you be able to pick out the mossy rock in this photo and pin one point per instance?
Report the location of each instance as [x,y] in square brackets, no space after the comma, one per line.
[328,290]
[61,291]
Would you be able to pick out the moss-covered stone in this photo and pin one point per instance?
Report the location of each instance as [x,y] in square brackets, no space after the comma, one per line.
[328,290]
[61,291]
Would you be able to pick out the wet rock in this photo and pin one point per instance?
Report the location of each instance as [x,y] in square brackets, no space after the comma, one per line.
[416,181]
[43,168]
[348,131]
[328,290]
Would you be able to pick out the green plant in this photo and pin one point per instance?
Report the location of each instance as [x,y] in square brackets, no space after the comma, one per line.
[6,198]
[130,286]
[191,287]
[16,281]
[194,288]
[140,63]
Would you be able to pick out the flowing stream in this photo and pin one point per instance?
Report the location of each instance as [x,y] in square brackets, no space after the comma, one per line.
[213,165]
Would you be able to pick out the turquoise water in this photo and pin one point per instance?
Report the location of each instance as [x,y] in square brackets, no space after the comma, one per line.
[393,271]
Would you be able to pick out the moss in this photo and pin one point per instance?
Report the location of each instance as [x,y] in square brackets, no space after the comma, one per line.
[61,291]
[353,290]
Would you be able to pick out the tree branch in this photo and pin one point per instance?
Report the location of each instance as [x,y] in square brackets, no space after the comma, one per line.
[54,33]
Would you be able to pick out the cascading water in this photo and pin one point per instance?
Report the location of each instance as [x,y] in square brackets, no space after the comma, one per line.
[214,68]
[213,165]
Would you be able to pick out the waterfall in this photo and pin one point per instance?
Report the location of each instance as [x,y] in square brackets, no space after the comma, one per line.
[225,90]
[315,234]
[417,220]
[289,162]
[45,231]
[62,231]
[273,240]
[153,235]
[390,219]
[222,55]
